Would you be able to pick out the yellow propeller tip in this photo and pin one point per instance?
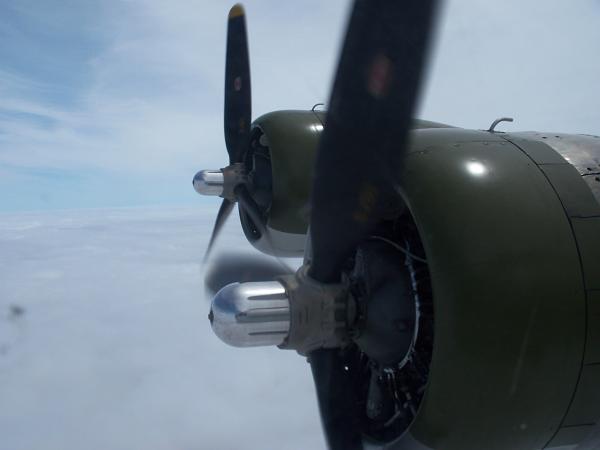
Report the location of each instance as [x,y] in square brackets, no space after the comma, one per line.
[237,10]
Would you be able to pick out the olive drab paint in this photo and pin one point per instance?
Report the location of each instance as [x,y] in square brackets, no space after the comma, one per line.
[511,230]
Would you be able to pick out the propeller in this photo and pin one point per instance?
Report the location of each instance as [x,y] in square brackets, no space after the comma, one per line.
[231,182]
[231,268]
[222,215]
[372,103]
[237,111]
[360,154]
[238,108]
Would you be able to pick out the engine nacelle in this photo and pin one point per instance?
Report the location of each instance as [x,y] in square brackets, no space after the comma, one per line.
[280,161]
[510,224]
[511,230]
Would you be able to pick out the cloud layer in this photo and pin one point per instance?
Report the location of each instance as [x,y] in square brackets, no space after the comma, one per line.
[114,350]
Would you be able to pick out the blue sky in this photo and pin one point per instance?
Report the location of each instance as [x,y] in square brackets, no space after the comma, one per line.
[117,103]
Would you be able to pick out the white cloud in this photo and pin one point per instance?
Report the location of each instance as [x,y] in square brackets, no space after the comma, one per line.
[114,350]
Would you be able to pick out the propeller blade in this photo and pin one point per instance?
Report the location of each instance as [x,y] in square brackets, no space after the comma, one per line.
[372,102]
[336,400]
[232,268]
[238,108]
[224,211]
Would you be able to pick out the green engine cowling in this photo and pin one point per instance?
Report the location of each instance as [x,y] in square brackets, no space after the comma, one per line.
[511,230]
[290,139]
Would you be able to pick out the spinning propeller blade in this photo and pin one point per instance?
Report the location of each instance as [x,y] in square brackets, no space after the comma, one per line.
[232,268]
[222,215]
[372,103]
[373,100]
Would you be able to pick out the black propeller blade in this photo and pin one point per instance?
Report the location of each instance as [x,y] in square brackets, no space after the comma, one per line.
[372,102]
[222,215]
[238,108]
[373,99]
[230,268]
[339,415]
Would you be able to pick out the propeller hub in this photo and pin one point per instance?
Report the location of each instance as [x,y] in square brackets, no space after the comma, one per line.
[294,313]
[251,314]
[209,182]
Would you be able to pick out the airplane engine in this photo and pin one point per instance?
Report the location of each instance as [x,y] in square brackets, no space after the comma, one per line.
[510,225]
[449,296]
[279,161]
[499,237]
